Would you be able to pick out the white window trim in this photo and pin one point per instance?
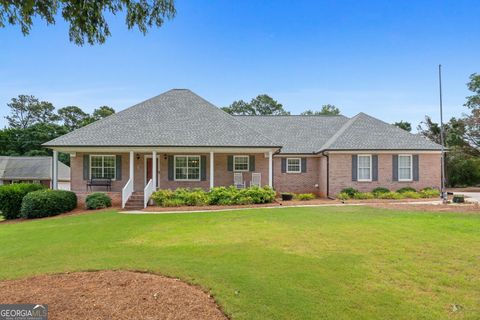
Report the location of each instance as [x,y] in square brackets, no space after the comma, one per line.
[299,165]
[411,167]
[187,156]
[103,155]
[248,163]
[358,168]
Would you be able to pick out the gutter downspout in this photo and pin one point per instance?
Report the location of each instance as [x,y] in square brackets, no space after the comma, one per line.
[328,175]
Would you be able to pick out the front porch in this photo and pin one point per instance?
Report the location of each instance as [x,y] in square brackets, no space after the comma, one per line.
[132,172]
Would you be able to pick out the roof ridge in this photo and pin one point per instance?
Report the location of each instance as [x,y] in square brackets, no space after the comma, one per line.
[289,115]
[233,117]
[340,131]
[110,116]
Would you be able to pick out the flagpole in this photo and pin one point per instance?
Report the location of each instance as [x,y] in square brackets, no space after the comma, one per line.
[444,196]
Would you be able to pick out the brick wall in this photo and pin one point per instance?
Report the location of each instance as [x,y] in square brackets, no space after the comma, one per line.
[341,173]
[297,182]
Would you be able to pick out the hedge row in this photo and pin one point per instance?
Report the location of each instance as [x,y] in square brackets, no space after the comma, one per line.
[98,200]
[11,197]
[45,203]
[216,196]
[384,193]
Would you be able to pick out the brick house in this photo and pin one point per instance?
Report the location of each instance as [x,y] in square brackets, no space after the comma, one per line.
[196,144]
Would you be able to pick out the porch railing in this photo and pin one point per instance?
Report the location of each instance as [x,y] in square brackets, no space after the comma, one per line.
[147,192]
[127,192]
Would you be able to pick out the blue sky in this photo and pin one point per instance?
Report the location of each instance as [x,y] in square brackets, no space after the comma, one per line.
[379,57]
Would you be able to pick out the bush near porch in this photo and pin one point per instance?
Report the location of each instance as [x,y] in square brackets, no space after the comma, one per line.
[216,196]
[47,203]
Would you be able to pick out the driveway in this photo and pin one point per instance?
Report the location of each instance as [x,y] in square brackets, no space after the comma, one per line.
[474,196]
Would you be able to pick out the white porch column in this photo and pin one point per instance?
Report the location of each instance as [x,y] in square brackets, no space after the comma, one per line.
[270,169]
[132,165]
[212,171]
[55,170]
[154,169]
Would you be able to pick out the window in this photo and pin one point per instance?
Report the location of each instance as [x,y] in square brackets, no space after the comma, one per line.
[405,167]
[102,167]
[294,165]
[240,163]
[364,167]
[187,168]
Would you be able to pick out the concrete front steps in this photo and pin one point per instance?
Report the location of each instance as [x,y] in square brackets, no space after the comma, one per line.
[135,202]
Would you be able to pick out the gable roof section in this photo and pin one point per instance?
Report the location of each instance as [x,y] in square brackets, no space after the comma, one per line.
[297,134]
[31,168]
[177,117]
[364,132]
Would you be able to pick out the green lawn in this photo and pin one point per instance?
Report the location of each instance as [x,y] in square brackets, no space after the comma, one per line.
[290,263]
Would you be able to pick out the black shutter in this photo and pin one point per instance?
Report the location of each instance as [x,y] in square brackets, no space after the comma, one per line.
[354,167]
[284,165]
[203,168]
[170,168]
[230,163]
[118,167]
[304,164]
[86,166]
[374,167]
[416,172]
[395,167]
[252,163]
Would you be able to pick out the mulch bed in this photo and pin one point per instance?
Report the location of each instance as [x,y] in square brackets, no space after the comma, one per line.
[112,295]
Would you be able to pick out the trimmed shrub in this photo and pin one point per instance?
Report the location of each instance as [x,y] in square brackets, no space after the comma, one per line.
[11,197]
[305,196]
[343,196]
[350,191]
[191,197]
[406,189]
[363,195]
[429,193]
[160,196]
[379,190]
[411,195]
[98,200]
[45,203]
[257,195]
[173,203]
[216,196]
[390,195]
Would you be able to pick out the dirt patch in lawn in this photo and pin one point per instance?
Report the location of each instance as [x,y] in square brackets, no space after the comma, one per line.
[112,295]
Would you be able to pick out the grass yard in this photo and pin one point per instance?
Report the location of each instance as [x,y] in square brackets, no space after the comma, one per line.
[289,263]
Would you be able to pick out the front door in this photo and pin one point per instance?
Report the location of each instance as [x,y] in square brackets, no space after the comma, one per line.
[149,171]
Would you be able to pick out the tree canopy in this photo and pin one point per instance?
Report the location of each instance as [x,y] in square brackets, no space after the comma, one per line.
[261,105]
[86,19]
[327,109]
[405,125]
[32,122]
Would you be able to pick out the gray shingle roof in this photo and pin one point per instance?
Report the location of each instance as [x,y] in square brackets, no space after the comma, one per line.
[31,168]
[297,134]
[313,134]
[177,117]
[364,132]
